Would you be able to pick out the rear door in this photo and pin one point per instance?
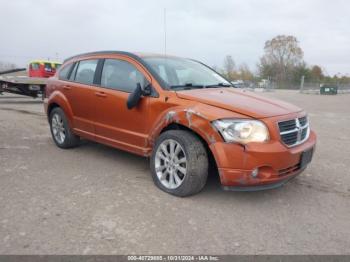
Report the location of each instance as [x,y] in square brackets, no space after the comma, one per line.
[115,124]
[80,92]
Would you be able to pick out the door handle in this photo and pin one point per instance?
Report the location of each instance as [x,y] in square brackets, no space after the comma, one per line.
[100,94]
[67,87]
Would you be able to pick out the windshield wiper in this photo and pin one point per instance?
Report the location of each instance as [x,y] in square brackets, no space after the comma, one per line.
[186,86]
[218,85]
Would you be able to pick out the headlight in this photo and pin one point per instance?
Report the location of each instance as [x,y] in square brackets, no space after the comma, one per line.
[242,131]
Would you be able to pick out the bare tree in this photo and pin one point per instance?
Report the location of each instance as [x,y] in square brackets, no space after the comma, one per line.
[229,67]
[281,55]
[245,73]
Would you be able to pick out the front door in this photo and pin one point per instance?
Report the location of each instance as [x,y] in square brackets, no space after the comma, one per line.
[115,124]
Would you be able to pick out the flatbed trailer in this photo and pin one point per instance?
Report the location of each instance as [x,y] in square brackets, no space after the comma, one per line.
[17,81]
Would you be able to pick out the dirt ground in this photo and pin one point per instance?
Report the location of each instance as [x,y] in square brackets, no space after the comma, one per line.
[97,200]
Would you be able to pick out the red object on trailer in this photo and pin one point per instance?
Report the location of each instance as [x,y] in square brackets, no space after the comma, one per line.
[30,82]
[42,68]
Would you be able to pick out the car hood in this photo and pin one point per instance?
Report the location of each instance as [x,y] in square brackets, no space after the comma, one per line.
[239,101]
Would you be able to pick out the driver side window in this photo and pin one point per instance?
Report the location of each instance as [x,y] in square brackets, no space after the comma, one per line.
[121,75]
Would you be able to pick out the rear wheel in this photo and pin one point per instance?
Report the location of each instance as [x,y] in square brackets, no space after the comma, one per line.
[179,163]
[60,130]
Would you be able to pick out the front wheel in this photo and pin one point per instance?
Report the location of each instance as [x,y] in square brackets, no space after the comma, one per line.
[179,163]
[60,130]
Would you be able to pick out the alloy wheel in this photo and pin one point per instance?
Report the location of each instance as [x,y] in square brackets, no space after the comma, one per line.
[170,164]
[58,130]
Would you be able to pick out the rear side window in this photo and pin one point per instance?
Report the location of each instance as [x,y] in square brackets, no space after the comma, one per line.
[86,71]
[63,74]
[121,75]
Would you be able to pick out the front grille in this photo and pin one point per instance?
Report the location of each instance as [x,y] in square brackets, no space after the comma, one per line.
[294,131]
[290,138]
[303,121]
[287,125]
[304,133]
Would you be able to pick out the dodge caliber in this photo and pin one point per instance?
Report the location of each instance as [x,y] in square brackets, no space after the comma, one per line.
[188,119]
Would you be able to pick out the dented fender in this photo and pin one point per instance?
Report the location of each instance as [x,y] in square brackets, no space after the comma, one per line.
[198,118]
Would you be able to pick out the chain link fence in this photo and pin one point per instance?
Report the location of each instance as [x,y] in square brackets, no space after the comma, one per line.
[319,88]
[303,87]
[259,86]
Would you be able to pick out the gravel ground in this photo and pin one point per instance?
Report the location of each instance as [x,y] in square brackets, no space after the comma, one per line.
[97,200]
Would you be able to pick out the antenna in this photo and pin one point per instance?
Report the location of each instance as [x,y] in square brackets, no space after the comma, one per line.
[165,31]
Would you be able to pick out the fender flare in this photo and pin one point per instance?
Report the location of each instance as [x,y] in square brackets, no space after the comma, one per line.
[59,99]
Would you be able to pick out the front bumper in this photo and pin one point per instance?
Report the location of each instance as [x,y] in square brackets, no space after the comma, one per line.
[277,163]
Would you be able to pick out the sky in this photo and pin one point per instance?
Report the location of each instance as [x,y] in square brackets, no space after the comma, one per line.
[206,30]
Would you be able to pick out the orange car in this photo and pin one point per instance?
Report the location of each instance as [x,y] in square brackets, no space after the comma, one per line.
[181,114]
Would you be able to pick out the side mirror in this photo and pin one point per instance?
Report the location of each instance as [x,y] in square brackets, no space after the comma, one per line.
[134,97]
[147,90]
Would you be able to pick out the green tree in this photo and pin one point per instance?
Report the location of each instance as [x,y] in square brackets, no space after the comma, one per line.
[300,71]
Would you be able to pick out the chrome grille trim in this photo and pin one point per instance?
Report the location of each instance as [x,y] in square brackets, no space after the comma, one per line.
[297,133]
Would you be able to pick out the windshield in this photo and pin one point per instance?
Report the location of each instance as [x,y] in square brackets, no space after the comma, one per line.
[48,66]
[185,73]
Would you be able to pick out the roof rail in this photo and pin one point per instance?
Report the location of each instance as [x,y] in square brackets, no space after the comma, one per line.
[101,53]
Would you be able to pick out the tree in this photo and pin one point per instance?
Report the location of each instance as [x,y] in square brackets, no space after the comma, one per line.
[245,73]
[6,66]
[281,55]
[316,73]
[344,80]
[300,71]
[229,67]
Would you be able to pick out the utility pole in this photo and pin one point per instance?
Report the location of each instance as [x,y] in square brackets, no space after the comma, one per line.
[302,83]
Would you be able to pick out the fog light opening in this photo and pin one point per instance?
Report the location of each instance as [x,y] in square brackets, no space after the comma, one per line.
[255,173]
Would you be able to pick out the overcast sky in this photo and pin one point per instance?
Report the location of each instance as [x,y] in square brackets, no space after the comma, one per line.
[206,30]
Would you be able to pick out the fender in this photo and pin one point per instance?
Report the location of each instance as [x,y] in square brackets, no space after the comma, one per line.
[197,118]
[59,99]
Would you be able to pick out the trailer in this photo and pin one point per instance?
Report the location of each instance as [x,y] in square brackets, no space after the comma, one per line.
[17,81]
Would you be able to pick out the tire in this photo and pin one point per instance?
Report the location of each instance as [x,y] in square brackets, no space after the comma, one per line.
[58,121]
[188,177]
